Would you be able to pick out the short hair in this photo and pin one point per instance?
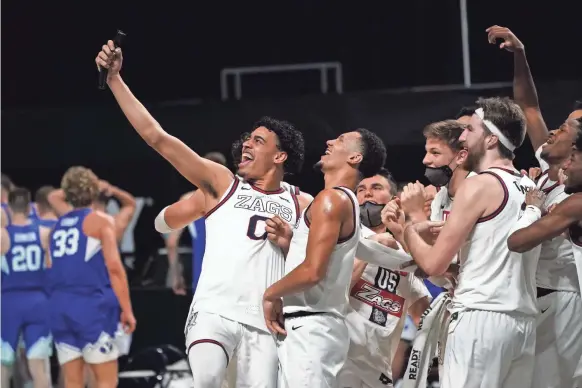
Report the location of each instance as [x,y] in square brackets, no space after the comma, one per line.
[448,131]
[216,157]
[577,105]
[19,200]
[290,141]
[391,181]
[466,111]
[41,197]
[6,183]
[80,185]
[508,117]
[102,198]
[373,153]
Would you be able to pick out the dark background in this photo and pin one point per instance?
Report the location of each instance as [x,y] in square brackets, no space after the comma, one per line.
[53,116]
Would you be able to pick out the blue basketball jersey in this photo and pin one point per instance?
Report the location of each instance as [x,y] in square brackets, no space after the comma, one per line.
[78,262]
[33,215]
[23,264]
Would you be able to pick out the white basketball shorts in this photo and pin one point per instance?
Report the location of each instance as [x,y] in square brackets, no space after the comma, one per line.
[255,350]
[488,349]
[102,351]
[313,352]
[360,375]
[558,340]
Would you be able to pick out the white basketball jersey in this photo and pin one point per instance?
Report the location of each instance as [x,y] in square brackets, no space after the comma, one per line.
[441,205]
[330,295]
[556,267]
[575,232]
[379,302]
[491,277]
[239,262]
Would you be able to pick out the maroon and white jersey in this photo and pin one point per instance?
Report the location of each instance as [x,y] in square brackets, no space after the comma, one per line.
[379,302]
[239,262]
[441,205]
[556,267]
[491,277]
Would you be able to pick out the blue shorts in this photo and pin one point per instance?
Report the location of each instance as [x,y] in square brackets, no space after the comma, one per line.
[84,326]
[25,313]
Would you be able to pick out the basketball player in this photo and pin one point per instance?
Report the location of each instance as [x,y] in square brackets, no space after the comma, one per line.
[375,322]
[46,215]
[464,115]
[559,329]
[226,313]
[86,269]
[565,217]
[24,299]
[319,267]
[491,340]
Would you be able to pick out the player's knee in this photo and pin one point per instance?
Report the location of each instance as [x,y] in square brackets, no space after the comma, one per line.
[208,362]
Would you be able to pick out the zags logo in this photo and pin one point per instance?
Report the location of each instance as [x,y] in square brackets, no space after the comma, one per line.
[383,300]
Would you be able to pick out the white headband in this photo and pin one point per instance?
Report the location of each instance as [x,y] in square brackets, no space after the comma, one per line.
[494,130]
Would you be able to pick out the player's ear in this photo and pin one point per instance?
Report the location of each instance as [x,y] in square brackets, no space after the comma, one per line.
[462,156]
[355,158]
[280,157]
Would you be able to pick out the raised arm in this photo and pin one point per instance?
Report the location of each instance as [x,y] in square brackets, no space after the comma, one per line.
[126,212]
[552,225]
[210,177]
[58,202]
[524,89]
[179,214]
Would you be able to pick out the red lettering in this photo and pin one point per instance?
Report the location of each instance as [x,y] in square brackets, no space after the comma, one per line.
[381,299]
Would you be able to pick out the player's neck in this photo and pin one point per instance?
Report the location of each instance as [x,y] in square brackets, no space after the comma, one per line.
[48,216]
[554,169]
[493,159]
[379,229]
[457,179]
[343,178]
[270,182]
[20,219]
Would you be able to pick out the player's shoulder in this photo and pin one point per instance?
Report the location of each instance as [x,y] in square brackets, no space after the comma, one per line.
[187,195]
[100,218]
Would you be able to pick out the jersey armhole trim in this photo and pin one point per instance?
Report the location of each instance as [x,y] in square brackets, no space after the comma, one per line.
[297,208]
[223,200]
[503,203]
[343,240]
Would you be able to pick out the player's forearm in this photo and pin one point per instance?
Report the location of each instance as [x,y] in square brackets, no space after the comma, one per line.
[58,201]
[120,287]
[378,254]
[524,89]
[300,279]
[421,253]
[358,271]
[127,200]
[138,116]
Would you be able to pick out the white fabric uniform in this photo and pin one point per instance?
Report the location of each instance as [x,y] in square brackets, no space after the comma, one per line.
[316,345]
[559,327]
[239,265]
[491,336]
[576,239]
[376,316]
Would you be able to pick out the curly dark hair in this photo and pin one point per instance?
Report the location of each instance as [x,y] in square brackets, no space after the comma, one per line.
[390,179]
[373,153]
[289,140]
[466,111]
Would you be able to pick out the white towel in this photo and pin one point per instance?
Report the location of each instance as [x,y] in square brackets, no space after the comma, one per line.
[431,336]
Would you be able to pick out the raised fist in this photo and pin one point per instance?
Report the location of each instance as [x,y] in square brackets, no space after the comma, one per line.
[109,58]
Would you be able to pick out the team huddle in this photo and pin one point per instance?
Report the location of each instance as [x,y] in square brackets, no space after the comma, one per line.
[302,291]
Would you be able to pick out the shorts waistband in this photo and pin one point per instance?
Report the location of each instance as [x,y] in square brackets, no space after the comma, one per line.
[544,291]
[299,314]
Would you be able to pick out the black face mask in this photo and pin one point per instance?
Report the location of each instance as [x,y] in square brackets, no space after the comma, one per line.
[438,176]
[371,214]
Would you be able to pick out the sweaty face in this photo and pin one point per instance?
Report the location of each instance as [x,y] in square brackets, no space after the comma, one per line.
[474,137]
[260,154]
[559,143]
[375,189]
[344,149]
[573,170]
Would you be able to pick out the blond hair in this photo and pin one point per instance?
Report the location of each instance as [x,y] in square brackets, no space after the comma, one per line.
[80,185]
